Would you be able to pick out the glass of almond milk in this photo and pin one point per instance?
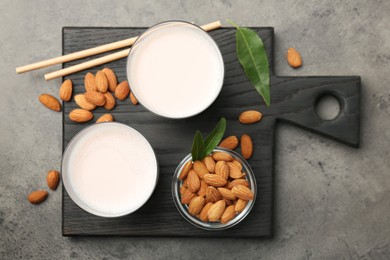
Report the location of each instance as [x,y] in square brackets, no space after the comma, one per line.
[109,169]
[175,69]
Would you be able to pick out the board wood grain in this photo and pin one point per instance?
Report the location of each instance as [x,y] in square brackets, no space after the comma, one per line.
[293,101]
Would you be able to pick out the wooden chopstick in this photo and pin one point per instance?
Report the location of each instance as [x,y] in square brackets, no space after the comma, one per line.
[94,51]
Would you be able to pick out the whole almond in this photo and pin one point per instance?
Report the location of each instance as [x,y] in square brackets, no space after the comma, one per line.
[222,169]
[80,115]
[203,214]
[66,90]
[82,102]
[133,99]
[200,169]
[193,181]
[111,78]
[228,214]
[214,180]
[196,205]
[202,189]
[237,163]
[221,156]
[182,189]
[53,179]
[250,117]
[185,170]
[246,146]
[122,90]
[185,183]
[187,196]
[101,82]
[230,142]
[37,196]
[234,171]
[242,192]
[105,118]
[209,163]
[294,58]
[216,210]
[240,205]
[227,194]
[95,98]
[238,182]
[110,101]
[89,82]
[50,102]
[212,194]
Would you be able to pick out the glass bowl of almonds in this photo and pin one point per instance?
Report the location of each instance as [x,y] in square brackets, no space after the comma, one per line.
[215,193]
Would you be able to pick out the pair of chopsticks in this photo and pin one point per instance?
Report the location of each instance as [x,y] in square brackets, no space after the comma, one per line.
[92,51]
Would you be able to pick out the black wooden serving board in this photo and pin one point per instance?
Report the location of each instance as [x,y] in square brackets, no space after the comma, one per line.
[292,100]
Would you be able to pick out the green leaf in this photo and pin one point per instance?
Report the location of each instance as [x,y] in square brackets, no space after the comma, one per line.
[253,58]
[197,147]
[215,136]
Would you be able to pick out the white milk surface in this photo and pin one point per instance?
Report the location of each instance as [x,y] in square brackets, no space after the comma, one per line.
[111,169]
[176,70]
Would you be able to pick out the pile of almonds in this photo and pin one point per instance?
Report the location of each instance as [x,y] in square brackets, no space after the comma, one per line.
[99,90]
[52,179]
[215,189]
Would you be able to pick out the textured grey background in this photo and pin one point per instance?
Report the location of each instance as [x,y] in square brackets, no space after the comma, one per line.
[333,201]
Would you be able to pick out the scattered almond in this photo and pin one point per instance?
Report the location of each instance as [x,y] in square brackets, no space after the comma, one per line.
[122,90]
[50,102]
[111,78]
[196,205]
[203,214]
[110,101]
[226,193]
[294,58]
[228,214]
[66,90]
[101,82]
[250,117]
[95,98]
[193,181]
[80,115]
[220,156]
[133,99]
[230,142]
[214,180]
[53,179]
[105,118]
[186,169]
[200,169]
[216,210]
[246,146]
[37,196]
[82,102]
[240,205]
[242,192]
[89,82]
[212,194]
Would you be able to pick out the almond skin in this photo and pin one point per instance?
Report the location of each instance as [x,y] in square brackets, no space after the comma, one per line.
[230,142]
[105,118]
[250,117]
[53,179]
[240,205]
[80,115]
[110,101]
[234,171]
[216,210]
[133,99]
[237,163]
[202,189]
[222,169]
[66,90]
[203,214]
[185,170]
[226,193]
[200,169]
[214,180]
[220,156]
[212,194]
[89,82]
[182,189]
[228,214]
[209,162]
[122,90]
[101,82]
[50,102]
[111,78]
[37,196]
[187,196]
[294,59]
[238,182]
[196,205]
[242,192]
[246,146]
[82,102]
[193,181]
[95,98]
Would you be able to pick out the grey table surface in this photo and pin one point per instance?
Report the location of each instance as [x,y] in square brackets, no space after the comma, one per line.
[332,201]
